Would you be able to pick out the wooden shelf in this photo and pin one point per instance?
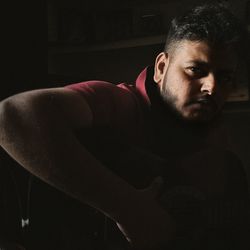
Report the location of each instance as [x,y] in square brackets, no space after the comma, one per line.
[136,42]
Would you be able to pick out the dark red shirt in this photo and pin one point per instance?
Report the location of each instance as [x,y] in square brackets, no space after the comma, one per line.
[135,135]
[137,112]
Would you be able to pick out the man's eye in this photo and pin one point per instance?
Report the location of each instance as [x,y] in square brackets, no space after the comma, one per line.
[195,71]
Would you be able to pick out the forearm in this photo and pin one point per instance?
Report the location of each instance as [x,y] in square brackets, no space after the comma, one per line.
[38,130]
[47,147]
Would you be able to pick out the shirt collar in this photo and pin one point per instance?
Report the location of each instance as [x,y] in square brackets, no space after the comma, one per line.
[143,81]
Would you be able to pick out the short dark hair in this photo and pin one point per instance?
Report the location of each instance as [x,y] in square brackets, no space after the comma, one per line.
[212,23]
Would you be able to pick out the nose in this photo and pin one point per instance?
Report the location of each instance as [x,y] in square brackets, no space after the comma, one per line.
[208,84]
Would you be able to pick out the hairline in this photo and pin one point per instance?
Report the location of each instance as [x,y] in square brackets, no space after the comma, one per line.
[171,48]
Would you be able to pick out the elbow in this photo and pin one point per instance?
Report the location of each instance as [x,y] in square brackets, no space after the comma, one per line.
[12,126]
[14,110]
[12,115]
[7,114]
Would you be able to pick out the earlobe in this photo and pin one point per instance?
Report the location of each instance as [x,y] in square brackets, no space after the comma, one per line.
[161,64]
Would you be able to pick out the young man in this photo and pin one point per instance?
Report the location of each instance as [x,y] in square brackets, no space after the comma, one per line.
[104,144]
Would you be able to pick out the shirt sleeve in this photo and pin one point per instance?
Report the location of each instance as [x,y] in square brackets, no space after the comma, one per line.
[110,104]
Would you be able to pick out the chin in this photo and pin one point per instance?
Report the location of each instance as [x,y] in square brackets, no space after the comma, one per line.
[199,118]
[199,115]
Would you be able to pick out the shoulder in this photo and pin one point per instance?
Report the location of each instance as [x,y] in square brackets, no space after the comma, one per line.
[110,103]
[99,89]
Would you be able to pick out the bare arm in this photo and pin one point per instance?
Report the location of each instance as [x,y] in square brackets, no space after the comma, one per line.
[37,130]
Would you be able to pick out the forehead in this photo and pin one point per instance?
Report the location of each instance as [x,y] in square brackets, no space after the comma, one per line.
[202,52]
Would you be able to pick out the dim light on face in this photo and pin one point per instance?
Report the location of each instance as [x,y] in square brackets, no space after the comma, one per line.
[196,79]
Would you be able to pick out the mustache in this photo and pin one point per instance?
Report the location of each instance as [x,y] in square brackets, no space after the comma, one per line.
[204,99]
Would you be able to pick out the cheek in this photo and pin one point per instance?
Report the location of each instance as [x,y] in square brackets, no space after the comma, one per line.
[185,86]
[177,85]
[174,83]
[185,90]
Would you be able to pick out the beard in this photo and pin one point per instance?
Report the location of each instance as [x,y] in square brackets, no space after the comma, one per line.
[170,101]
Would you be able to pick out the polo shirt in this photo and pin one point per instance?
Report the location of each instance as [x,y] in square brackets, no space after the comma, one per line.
[134,116]
[138,114]
[118,106]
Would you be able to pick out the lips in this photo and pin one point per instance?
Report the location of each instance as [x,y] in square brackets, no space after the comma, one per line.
[204,102]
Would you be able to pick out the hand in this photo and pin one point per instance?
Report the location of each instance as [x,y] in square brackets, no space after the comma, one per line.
[146,225]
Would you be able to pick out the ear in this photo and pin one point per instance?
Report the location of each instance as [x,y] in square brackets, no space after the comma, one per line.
[161,65]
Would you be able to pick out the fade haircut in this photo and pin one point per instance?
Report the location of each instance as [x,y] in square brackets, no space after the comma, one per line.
[212,23]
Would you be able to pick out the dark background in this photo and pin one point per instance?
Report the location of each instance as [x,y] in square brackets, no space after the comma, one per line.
[23,46]
[55,42]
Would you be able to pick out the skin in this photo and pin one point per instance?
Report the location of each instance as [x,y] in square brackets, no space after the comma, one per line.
[195,79]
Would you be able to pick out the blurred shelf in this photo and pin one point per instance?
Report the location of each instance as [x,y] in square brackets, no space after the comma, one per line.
[136,42]
[237,107]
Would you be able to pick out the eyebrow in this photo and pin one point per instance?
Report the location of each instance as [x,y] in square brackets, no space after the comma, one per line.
[198,62]
[206,64]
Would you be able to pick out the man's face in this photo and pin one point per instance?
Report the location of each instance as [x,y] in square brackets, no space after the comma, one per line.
[196,79]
